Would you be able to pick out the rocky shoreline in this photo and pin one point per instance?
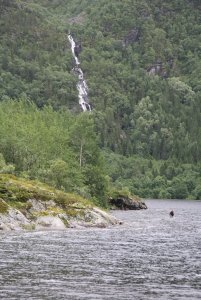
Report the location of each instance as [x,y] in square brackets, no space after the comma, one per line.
[45,215]
[30,205]
[126,203]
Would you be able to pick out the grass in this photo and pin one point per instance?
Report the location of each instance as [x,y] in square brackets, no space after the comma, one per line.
[115,193]
[3,206]
[17,191]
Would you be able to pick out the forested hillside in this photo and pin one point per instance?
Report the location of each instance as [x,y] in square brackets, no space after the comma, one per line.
[142,63]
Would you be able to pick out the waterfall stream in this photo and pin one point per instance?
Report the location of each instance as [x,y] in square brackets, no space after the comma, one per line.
[81,85]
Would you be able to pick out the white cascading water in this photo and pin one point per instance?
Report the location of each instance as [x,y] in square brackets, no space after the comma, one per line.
[81,85]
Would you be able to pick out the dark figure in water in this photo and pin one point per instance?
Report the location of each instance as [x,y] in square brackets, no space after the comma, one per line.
[171,213]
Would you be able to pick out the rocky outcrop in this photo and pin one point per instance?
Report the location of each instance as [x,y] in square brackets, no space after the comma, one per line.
[47,215]
[78,49]
[28,205]
[79,19]
[13,219]
[49,222]
[160,68]
[156,69]
[127,203]
[94,217]
[131,37]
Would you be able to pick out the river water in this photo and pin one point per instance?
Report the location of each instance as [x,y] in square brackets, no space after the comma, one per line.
[150,256]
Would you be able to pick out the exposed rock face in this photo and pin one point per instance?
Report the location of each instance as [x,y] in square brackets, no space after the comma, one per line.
[46,215]
[94,217]
[35,206]
[131,37]
[13,220]
[125,203]
[156,69]
[78,49]
[42,207]
[79,19]
[49,222]
[160,69]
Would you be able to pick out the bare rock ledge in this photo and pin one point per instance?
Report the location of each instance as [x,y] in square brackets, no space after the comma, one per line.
[46,215]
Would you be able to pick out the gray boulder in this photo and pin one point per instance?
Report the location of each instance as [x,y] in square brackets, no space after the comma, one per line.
[13,220]
[49,222]
[94,217]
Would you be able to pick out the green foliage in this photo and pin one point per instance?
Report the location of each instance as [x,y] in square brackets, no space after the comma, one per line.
[124,192]
[36,62]
[54,147]
[197,192]
[17,191]
[151,178]
[142,63]
[4,168]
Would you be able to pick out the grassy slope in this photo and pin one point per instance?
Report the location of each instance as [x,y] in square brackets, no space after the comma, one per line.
[17,191]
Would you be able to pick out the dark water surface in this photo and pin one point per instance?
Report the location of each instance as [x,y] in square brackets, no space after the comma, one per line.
[151,256]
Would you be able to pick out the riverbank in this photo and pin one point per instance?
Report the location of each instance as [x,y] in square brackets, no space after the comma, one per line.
[31,205]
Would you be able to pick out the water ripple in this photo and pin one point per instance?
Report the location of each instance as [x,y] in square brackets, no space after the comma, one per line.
[151,256]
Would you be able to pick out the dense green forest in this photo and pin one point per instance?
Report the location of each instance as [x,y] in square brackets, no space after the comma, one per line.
[142,63]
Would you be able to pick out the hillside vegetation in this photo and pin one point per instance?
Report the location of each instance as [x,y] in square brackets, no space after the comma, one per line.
[142,63]
[28,205]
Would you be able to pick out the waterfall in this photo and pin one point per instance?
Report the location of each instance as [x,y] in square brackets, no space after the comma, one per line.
[81,85]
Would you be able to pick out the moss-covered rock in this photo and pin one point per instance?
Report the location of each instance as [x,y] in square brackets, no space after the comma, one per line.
[3,206]
[18,190]
[124,202]
[32,205]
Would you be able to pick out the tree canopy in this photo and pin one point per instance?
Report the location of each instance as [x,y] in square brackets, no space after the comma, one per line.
[142,63]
